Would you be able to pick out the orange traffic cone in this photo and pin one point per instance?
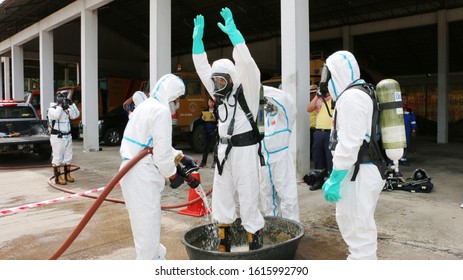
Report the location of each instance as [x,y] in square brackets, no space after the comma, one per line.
[196,209]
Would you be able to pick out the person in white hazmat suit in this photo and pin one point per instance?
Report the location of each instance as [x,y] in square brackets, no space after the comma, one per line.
[150,126]
[355,200]
[237,167]
[278,187]
[138,97]
[59,116]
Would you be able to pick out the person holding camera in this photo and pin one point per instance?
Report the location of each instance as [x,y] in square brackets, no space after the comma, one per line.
[321,154]
[59,116]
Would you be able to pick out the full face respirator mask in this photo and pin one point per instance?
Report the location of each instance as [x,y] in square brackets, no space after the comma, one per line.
[323,86]
[222,86]
[61,100]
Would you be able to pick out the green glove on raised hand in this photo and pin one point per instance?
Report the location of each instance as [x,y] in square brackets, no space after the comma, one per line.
[230,27]
[332,185]
[198,31]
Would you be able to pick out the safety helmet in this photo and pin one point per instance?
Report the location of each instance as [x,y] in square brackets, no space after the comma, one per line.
[420,174]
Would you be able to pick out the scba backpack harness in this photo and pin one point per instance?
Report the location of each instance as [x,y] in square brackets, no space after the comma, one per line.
[369,151]
[243,139]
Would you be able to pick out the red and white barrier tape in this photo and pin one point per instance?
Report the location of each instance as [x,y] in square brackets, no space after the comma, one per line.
[45,202]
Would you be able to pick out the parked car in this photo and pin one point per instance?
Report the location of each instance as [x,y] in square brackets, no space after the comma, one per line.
[33,97]
[111,126]
[21,131]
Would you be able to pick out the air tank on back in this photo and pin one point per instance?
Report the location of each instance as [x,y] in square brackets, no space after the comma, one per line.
[391,119]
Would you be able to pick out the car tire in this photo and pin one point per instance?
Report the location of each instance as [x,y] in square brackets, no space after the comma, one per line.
[112,137]
[198,141]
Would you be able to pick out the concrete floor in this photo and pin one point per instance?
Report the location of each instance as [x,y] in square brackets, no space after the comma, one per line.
[411,226]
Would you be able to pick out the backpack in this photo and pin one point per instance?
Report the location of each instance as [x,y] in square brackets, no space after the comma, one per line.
[369,151]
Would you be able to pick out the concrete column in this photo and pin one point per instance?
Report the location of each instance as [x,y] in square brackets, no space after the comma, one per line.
[160,37]
[1,79]
[46,71]
[6,75]
[17,67]
[89,56]
[78,73]
[442,77]
[295,76]
[66,76]
[347,40]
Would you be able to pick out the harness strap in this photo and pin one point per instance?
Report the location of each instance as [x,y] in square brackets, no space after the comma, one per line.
[244,139]
[255,129]
[371,151]
[57,132]
[391,105]
[239,140]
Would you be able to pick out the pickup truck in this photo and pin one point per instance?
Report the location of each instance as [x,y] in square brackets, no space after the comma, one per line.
[21,131]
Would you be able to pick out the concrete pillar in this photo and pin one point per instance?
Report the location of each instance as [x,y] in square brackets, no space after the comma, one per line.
[78,73]
[347,40]
[46,51]
[89,56]
[6,75]
[296,76]
[160,39]
[1,79]
[442,77]
[17,67]
[66,76]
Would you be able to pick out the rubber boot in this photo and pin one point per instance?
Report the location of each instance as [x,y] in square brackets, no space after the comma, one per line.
[58,179]
[224,237]
[256,240]
[67,173]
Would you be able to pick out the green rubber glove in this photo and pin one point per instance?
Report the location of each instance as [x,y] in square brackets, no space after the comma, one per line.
[230,27]
[198,31]
[332,185]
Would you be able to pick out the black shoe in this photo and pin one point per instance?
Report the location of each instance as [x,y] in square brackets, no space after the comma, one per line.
[318,185]
[202,164]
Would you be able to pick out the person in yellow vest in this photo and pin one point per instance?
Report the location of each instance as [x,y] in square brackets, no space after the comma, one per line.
[321,154]
[313,117]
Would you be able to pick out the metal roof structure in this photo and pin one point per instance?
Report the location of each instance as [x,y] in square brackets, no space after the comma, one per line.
[410,51]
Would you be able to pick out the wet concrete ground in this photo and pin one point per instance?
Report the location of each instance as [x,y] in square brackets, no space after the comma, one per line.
[411,226]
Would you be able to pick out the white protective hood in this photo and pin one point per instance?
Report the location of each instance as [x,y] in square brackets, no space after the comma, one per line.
[168,88]
[226,66]
[344,70]
[138,97]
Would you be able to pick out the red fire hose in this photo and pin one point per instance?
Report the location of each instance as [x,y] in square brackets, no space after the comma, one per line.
[103,196]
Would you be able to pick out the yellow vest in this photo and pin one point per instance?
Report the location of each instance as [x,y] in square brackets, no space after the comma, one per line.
[323,119]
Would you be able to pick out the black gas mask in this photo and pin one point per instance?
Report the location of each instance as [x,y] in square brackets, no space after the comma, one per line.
[222,86]
[269,107]
[61,100]
[325,77]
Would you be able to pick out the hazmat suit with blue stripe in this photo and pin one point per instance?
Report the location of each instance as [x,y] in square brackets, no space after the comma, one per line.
[278,187]
[355,200]
[150,126]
